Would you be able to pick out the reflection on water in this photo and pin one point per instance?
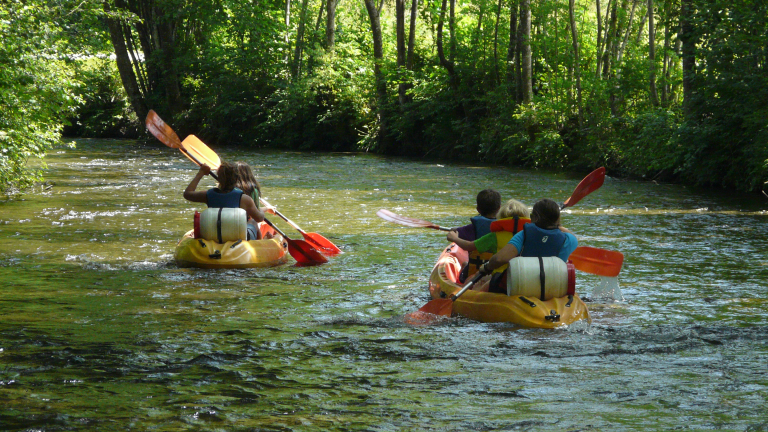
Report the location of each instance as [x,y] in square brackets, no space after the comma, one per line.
[100,330]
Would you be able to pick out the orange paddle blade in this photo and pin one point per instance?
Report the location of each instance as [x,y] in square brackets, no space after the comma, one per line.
[199,153]
[589,184]
[420,318]
[304,253]
[442,307]
[407,221]
[597,261]
[323,244]
[157,127]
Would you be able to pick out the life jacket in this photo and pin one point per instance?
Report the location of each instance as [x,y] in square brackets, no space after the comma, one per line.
[482,225]
[218,199]
[504,229]
[538,242]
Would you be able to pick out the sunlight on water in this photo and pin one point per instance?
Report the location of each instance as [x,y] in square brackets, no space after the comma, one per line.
[101,330]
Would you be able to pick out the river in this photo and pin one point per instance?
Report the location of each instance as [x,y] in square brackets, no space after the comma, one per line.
[100,330]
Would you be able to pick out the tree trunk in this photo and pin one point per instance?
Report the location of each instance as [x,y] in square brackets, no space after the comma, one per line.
[330,24]
[400,42]
[525,23]
[452,29]
[598,45]
[576,61]
[689,55]
[412,34]
[512,48]
[448,65]
[627,31]
[496,46]
[298,54]
[610,37]
[124,66]
[652,55]
[287,59]
[378,58]
[664,70]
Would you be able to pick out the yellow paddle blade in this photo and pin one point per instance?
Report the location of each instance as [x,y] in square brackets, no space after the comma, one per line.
[199,153]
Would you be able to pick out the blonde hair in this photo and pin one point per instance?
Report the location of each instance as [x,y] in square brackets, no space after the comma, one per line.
[513,208]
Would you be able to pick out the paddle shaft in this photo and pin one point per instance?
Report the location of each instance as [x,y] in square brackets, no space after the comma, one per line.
[290,222]
[469,284]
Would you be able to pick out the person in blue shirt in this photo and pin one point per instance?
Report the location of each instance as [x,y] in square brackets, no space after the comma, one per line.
[226,195]
[544,237]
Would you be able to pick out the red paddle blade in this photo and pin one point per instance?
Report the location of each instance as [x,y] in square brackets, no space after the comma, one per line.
[597,261]
[407,221]
[591,183]
[198,152]
[157,127]
[321,243]
[305,254]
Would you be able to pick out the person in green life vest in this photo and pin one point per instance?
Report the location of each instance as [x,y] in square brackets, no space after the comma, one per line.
[545,237]
[226,195]
[510,219]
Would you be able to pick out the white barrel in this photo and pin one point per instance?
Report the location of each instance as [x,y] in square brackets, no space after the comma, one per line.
[524,277]
[232,228]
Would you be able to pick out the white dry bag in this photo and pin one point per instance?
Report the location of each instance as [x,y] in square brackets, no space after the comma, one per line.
[223,224]
[526,275]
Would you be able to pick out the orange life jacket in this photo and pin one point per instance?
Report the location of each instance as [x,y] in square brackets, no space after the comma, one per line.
[504,229]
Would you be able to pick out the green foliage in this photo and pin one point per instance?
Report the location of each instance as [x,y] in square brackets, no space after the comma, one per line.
[329,110]
[104,111]
[35,88]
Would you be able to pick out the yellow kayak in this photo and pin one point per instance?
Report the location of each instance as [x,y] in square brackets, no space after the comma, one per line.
[491,307]
[192,252]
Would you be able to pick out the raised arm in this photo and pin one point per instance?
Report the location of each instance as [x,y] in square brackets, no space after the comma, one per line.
[190,193]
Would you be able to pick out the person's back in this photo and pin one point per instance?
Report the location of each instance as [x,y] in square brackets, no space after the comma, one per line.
[226,195]
[545,237]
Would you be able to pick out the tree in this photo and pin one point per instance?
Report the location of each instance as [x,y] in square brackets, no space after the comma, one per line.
[36,85]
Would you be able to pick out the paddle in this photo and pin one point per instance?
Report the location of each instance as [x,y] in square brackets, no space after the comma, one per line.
[193,148]
[589,184]
[441,306]
[320,242]
[301,251]
[597,261]
[407,221]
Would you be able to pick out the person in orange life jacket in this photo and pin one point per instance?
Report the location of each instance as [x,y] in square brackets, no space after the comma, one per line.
[545,237]
[226,195]
[510,219]
[488,203]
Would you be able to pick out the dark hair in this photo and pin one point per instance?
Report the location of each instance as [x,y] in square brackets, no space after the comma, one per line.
[546,214]
[488,202]
[227,174]
[246,181]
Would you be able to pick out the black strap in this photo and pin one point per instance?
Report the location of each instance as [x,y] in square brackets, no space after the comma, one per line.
[514,228]
[218,225]
[541,276]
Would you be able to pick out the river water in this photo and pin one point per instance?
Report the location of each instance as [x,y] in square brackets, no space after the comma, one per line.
[100,330]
